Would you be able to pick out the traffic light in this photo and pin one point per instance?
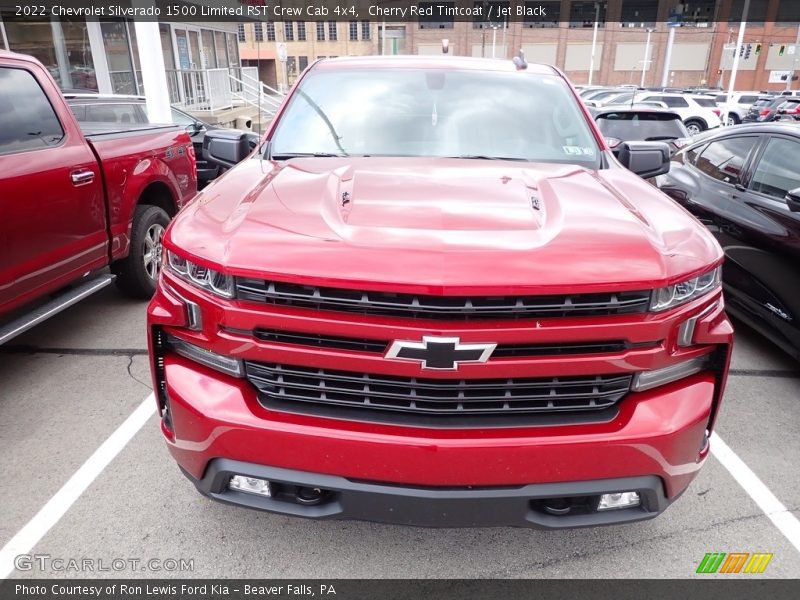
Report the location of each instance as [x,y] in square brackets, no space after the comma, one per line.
[758,49]
[741,51]
[781,50]
[747,51]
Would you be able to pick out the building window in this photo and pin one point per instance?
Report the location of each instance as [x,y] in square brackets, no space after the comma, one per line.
[301,31]
[583,14]
[118,54]
[270,31]
[638,13]
[332,31]
[353,31]
[302,63]
[291,67]
[207,48]
[221,46]
[490,8]
[320,31]
[288,31]
[552,9]
[258,31]
[435,21]
[699,13]
[242,35]
[365,30]
[757,8]
[788,12]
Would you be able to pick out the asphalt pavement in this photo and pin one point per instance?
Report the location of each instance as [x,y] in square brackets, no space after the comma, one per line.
[68,384]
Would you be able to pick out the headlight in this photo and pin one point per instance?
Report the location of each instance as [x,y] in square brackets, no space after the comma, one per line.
[200,276]
[680,293]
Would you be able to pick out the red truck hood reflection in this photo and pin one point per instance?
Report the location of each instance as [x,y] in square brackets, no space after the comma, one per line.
[434,223]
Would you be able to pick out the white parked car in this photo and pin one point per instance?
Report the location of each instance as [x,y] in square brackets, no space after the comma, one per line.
[698,112]
[737,105]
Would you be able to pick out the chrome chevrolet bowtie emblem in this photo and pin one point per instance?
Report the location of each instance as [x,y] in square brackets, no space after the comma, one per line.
[440,352]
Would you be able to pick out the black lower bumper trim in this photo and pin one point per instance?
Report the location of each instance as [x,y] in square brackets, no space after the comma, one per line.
[513,506]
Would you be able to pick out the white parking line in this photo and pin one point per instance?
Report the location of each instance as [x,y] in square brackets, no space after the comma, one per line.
[785,521]
[51,513]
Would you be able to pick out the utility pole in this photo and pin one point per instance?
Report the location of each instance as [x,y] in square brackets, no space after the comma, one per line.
[646,61]
[594,40]
[794,61]
[735,67]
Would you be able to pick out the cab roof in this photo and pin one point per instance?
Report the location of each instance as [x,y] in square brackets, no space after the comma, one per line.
[430,62]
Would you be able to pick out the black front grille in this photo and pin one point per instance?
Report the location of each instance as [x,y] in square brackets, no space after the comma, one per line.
[440,307]
[363,396]
[380,346]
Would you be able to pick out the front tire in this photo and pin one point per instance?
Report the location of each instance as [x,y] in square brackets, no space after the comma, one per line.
[733,120]
[137,274]
[693,126]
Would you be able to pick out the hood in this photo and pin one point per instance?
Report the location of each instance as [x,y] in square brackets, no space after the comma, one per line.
[427,223]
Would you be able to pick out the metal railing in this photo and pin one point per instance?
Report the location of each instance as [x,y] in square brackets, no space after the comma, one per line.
[204,90]
[200,90]
[247,89]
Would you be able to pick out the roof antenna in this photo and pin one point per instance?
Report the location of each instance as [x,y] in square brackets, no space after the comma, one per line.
[519,61]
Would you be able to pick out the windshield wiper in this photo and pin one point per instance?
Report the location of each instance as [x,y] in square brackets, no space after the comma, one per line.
[659,138]
[486,157]
[288,155]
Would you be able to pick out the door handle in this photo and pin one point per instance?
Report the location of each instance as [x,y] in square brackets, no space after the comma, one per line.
[82,177]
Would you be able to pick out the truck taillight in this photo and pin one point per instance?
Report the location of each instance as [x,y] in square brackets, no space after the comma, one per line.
[193,156]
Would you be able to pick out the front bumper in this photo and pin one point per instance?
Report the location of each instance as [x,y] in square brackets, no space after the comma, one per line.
[655,443]
[517,506]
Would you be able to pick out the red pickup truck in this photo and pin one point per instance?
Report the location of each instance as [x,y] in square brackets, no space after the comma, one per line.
[73,202]
[435,297]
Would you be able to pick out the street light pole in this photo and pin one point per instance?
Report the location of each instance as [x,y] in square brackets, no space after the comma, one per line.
[594,40]
[646,61]
[735,67]
[668,55]
[494,40]
[794,61]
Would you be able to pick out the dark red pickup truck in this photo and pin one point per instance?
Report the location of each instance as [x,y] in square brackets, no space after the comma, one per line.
[73,202]
[435,297]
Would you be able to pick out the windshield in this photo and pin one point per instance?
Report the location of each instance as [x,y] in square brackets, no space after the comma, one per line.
[641,126]
[435,112]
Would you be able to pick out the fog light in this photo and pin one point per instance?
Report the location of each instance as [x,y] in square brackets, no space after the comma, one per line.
[250,485]
[618,500]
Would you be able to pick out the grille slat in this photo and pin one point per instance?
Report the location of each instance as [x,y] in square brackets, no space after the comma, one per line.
[440,307]
[380,346]
[310,389]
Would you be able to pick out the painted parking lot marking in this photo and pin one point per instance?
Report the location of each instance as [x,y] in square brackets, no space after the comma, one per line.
[27,537]
[780,516]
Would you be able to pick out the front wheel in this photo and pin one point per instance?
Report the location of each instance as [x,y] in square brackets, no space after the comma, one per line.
[694,127]
[137,274]
[733,120]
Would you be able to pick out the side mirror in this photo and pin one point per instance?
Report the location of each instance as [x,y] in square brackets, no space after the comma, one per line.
[793,199]
[195,127]
[227,147]
[646,159]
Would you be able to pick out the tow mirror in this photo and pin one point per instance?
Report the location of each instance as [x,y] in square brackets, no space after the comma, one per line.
[793,199]
[646,159]
[227,147]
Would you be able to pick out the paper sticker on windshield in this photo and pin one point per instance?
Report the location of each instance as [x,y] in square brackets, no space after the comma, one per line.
[578,150]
